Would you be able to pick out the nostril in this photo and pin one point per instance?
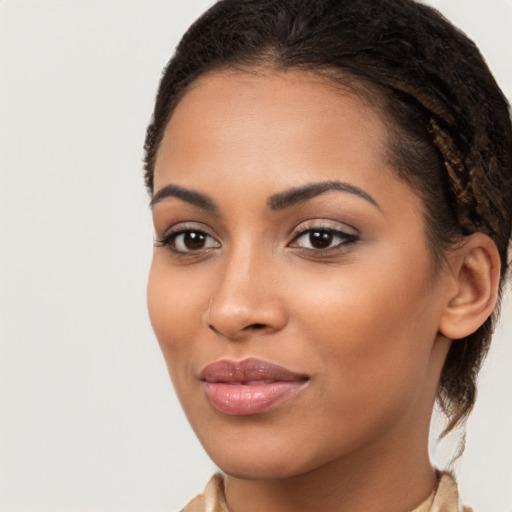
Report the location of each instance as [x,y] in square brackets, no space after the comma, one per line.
[256,326]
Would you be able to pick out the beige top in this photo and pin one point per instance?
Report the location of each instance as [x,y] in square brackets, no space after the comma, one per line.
[445,498]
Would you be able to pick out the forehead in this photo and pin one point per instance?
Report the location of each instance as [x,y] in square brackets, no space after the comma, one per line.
[270,119]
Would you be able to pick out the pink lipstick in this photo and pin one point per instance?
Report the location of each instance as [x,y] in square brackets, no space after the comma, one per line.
[251,386]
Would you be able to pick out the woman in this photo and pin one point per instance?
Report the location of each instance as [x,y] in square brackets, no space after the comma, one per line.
[331,190]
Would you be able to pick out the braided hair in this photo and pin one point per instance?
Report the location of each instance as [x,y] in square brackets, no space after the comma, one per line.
[450,127]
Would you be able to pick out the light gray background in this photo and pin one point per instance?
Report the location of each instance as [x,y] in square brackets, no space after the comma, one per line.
[88,420]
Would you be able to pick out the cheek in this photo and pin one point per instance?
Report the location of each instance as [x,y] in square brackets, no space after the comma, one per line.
[175,306]
[372,349]
[373,330]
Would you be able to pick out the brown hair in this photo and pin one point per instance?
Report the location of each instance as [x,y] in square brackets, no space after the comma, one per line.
[449,122]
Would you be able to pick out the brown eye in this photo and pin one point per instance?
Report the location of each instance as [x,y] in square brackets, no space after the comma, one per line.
[320,239]
[188,241]
[194,240]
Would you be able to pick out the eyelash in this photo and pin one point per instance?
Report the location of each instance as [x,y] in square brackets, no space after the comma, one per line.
[345,238]
[169,240]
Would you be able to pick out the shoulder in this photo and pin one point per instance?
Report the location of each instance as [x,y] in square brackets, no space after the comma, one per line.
[446,498]
[213,499]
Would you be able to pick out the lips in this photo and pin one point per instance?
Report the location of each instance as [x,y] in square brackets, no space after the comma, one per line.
[251,386]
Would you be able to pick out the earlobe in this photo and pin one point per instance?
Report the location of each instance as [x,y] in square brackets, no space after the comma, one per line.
[475,267]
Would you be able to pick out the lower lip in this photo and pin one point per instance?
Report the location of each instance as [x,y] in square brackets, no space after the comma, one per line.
[243,400]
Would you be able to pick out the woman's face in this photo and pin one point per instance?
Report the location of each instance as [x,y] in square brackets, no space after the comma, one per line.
[291,289]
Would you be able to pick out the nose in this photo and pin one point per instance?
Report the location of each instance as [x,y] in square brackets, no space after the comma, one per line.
[247,298]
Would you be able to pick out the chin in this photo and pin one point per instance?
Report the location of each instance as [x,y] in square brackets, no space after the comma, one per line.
[258,446]
[274,468]
[262,456]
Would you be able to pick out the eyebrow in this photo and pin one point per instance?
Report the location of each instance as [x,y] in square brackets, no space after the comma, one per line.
[189,196]
[296,195]
[278,201]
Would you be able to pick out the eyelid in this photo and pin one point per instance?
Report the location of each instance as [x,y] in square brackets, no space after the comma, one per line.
[181,228]
[171,235]
[347,233]
[326,225]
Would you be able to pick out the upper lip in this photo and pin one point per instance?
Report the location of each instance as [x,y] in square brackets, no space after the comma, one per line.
[246,370]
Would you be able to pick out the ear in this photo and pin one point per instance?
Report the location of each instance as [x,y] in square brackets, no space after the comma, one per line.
[475,270]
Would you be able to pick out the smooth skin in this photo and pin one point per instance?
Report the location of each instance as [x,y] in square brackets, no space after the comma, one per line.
[338,285]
